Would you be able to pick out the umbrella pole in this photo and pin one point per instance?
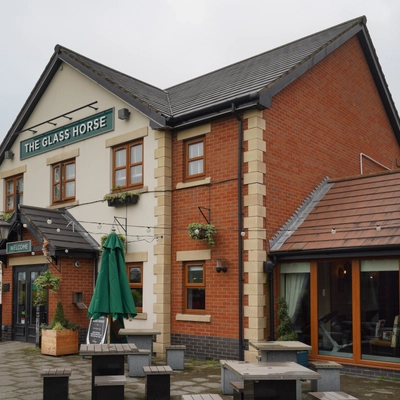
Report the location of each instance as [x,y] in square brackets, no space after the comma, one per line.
[109,330]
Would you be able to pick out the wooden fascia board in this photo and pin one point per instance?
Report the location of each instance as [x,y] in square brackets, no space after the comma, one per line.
[380,81]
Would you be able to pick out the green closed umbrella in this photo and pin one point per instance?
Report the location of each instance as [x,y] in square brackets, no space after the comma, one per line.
[112,295]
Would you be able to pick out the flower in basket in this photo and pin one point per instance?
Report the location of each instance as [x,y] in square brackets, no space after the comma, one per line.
[118,197]
[204,232]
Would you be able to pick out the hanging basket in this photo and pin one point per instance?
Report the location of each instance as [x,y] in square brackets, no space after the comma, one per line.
[121,201]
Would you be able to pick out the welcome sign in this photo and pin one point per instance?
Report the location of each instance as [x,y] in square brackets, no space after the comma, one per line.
[83,129]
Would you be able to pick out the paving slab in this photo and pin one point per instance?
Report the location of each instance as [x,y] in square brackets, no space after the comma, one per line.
[20,365]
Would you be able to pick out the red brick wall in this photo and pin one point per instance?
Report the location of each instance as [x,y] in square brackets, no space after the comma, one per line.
[318,126]
[221,197]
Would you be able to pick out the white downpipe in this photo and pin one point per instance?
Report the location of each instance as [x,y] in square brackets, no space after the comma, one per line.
[371,159]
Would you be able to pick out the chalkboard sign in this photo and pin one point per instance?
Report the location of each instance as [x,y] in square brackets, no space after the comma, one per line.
[97,331]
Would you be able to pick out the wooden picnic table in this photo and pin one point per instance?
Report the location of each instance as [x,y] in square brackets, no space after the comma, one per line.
[107,360]
[279,351]
[142,338]
[264,379]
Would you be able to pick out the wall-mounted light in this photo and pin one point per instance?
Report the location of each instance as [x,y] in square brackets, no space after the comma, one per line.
[221,265]
[4,229]
[123,113]
[268,266]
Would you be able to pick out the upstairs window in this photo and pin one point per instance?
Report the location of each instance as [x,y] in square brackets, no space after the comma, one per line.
[135,280]
[195,288]
[12,184]
[128,165]
[63,181]
[195,160]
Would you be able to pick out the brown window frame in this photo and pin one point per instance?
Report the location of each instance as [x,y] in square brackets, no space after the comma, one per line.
[128,165]
[13,179]
[188,143]
[136,285]
[62,165]
[187,286]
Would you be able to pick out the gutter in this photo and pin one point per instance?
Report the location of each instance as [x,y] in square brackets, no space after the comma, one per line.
[249,100]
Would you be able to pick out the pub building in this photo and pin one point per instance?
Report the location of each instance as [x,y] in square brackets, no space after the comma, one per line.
[289,162]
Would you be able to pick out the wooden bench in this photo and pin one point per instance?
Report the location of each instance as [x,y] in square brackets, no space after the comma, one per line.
[158,382]
[109,387]
[331,396]
[55,383]
[330,376]
[238,390]
[207,396]
[176,356]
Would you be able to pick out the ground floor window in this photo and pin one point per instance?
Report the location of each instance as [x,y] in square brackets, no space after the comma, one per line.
[134,272]
[345,308]
[195,287]
[295,288]
[335,312]
[379,292]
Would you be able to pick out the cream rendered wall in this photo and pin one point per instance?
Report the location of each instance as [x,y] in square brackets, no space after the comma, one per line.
[68,90]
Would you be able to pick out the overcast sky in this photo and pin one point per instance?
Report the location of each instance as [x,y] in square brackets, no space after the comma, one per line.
[165,42]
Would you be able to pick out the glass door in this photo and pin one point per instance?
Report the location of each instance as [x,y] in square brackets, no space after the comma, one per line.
[335,315]
[24,309]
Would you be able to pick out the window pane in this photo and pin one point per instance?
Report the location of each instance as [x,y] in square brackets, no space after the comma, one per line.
[195,167]
[136,174]
[56,192]
[195,274]
[196,299]
[10,203]
[56,174]
[196,150]
[295,288]
[70,189]
[70,171]
[21,298]
[137,295]
[136,154]
[120,177]
[135,275]
[120,158]
[335,317]
[10,187]
[20,184]
[379,293]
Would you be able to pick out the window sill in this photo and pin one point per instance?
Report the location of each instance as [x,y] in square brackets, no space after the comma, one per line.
[200,182]
[193,317]
[63,205]
[141,315]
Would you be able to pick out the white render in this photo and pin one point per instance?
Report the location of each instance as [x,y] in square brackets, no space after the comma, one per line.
[69,90]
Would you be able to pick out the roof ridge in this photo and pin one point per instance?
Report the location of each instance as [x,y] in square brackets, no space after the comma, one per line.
[358,20]
[300,214]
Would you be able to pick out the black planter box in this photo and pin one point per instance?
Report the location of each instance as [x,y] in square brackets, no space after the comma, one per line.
[118,202]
